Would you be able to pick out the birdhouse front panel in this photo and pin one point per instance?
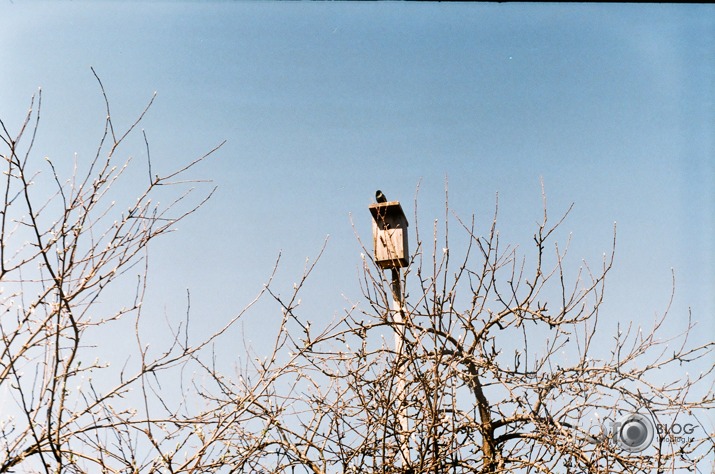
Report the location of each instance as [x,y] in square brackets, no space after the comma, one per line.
[390,247]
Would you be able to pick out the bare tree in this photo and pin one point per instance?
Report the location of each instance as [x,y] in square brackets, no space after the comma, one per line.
[486,385]
[63,243]
[501,363]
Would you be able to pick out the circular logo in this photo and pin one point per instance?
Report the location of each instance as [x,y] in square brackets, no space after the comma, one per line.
[633,432]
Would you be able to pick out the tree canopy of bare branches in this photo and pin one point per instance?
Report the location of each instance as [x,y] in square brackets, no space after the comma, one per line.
[500,364]
[501,368]
[62,245]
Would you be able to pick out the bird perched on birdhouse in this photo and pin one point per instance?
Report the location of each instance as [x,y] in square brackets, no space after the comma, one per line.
[379,197]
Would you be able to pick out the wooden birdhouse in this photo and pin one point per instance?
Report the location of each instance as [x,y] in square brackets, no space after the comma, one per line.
[389,234]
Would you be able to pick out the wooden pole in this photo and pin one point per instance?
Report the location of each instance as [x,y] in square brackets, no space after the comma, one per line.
[399,320]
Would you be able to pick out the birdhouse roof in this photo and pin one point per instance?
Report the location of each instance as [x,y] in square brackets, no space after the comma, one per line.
[387,210]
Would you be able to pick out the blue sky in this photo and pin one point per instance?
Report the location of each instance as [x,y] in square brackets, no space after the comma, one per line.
[613,106]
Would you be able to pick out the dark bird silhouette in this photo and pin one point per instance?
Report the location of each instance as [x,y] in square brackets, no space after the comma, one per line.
[379,197]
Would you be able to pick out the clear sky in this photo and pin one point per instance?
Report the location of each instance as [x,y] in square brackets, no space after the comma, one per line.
[613,106]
